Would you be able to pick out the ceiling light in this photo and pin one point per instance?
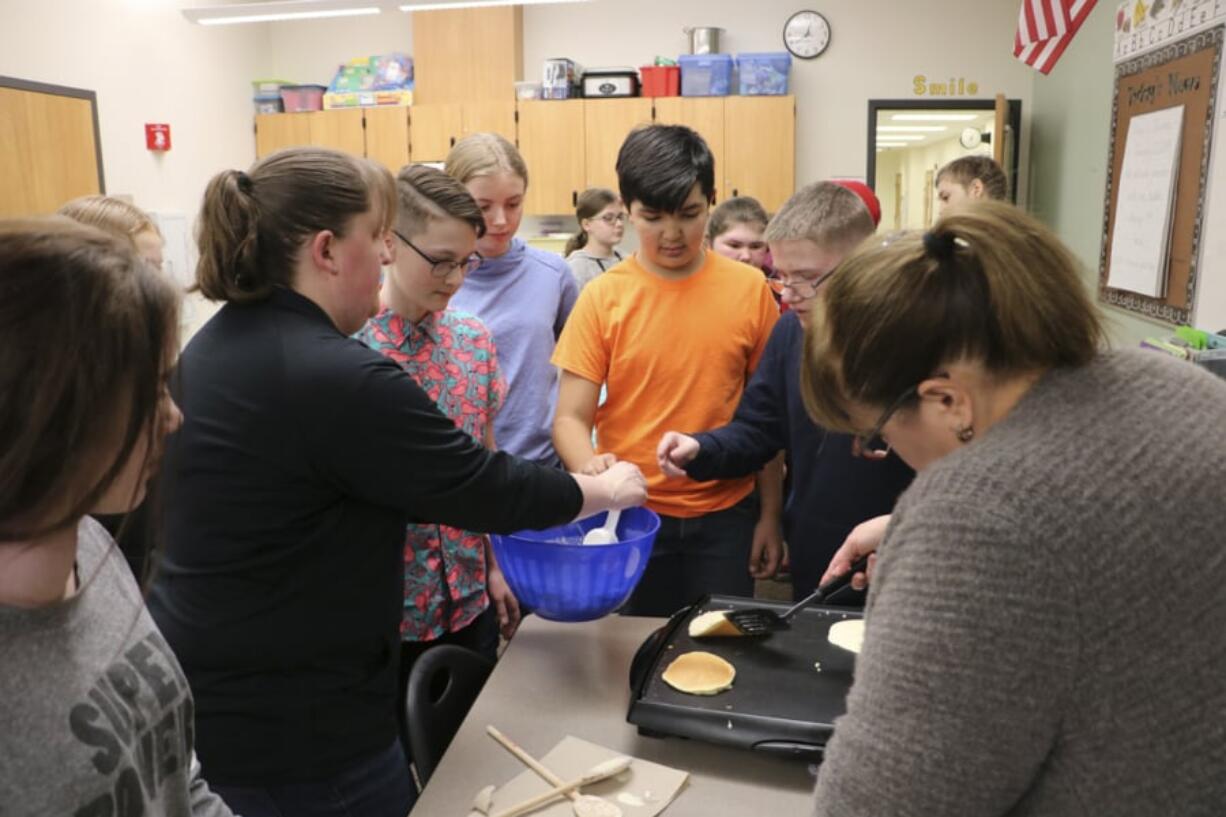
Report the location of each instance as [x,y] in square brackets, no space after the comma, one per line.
[901,137]
[280,10]
[913,128]
[892,144]
[934,117]
[440,5]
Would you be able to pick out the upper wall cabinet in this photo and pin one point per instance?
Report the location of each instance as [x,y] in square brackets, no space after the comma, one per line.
[387,136]
[340,129]
[551,141]
[573,144]
[606,124]
[435,129]
[759,149]
[467,55]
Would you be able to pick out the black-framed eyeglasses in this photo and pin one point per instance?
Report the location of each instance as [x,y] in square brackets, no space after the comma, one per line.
[440,268]
[612,218]
[871,445]
[802,288]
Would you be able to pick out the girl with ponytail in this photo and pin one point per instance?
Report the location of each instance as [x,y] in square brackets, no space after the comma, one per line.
[602,223]
[303,457]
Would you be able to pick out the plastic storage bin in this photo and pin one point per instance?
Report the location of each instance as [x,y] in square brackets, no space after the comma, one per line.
[560,579]
[764,74]
[269,104]
[661,80]
[303,97]
[706,74]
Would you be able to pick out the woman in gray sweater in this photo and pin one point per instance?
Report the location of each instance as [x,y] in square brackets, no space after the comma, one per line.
[1046,626]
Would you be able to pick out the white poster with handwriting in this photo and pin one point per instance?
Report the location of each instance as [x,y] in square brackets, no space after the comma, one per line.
[1140,240]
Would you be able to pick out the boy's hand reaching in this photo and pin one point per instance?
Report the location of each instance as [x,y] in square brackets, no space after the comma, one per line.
[598,464]
[766,553]
[674,452]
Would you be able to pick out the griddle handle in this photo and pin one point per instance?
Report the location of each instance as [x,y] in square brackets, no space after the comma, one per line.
[649,651]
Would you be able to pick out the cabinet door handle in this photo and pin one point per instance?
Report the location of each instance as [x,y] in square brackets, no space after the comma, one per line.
[574,198]
[452,142]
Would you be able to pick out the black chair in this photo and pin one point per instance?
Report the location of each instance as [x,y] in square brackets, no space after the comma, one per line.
[443,684]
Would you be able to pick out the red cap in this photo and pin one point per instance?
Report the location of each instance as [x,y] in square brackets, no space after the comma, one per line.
[866,195]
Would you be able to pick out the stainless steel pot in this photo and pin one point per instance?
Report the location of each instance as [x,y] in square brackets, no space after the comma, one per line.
[703,39]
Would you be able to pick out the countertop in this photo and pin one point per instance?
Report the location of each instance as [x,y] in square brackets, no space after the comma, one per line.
[558,679]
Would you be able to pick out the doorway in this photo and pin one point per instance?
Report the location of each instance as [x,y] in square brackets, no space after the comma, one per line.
[910,140]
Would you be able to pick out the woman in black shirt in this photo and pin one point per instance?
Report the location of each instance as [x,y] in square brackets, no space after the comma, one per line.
[302,456]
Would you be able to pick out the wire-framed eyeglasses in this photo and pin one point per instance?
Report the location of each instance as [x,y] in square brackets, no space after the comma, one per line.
[872,445]
[802,288]
[612,218]
[441,268]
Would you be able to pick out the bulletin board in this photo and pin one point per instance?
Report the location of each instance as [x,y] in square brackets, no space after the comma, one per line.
[52,152]
[1181,73]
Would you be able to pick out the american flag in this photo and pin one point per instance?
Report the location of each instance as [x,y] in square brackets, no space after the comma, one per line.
[1045,28]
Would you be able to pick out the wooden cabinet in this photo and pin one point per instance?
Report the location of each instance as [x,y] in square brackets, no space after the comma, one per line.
[705,114]
[436,128]
[387,136]
[467,55]
[490,117]
[551,139]
[760,146]
[433,129]
[606,124]
[275,131]
[340,129]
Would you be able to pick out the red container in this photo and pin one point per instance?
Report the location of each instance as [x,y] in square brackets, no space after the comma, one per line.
[303,97]
[661,80]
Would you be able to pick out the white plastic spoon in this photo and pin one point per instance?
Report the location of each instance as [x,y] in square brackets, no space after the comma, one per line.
[606,534]
[585,806]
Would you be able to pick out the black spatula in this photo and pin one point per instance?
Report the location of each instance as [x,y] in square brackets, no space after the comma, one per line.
[761,621]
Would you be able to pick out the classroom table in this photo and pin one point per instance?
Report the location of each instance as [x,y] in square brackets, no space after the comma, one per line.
[557,679]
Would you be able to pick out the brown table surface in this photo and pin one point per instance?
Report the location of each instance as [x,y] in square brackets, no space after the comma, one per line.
[559,679]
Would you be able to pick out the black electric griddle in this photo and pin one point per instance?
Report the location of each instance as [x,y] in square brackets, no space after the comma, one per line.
[780,701]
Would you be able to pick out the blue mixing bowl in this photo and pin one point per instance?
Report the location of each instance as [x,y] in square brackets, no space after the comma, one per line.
[559,578]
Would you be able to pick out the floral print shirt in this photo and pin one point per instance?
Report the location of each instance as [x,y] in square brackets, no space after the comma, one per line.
[451,356]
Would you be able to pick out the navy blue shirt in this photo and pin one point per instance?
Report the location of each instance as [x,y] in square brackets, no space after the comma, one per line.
[302,456]
[832,491]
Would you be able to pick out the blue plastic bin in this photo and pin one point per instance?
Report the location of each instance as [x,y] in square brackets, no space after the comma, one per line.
[764,74]
[706,74]
[557,577]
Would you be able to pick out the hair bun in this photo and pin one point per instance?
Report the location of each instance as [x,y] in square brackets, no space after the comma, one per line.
[940,245]
[245,184]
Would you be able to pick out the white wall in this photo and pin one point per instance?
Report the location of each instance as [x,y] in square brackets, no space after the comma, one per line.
[309,51]
[877,47]
[146,63]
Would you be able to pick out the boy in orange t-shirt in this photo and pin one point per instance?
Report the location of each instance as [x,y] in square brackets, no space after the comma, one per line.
[675,332]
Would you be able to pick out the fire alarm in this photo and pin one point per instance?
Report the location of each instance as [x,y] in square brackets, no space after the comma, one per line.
[157,137]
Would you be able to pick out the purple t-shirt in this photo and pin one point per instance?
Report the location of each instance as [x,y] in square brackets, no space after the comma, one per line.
[524,297]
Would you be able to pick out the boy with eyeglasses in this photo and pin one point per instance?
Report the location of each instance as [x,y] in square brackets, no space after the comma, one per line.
[675,331]
[835,484]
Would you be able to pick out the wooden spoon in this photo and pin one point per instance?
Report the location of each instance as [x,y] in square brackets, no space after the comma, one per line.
[585,806]
[594,806]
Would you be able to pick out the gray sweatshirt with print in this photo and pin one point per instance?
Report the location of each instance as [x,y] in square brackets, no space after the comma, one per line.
[95,712]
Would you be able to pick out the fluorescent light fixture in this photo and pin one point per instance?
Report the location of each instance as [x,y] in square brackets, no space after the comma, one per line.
[892,144]
[901,137]
[442,5]
[913,128]
[280,10]
[934,117]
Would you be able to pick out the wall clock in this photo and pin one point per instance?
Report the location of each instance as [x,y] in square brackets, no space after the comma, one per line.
[806,34]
